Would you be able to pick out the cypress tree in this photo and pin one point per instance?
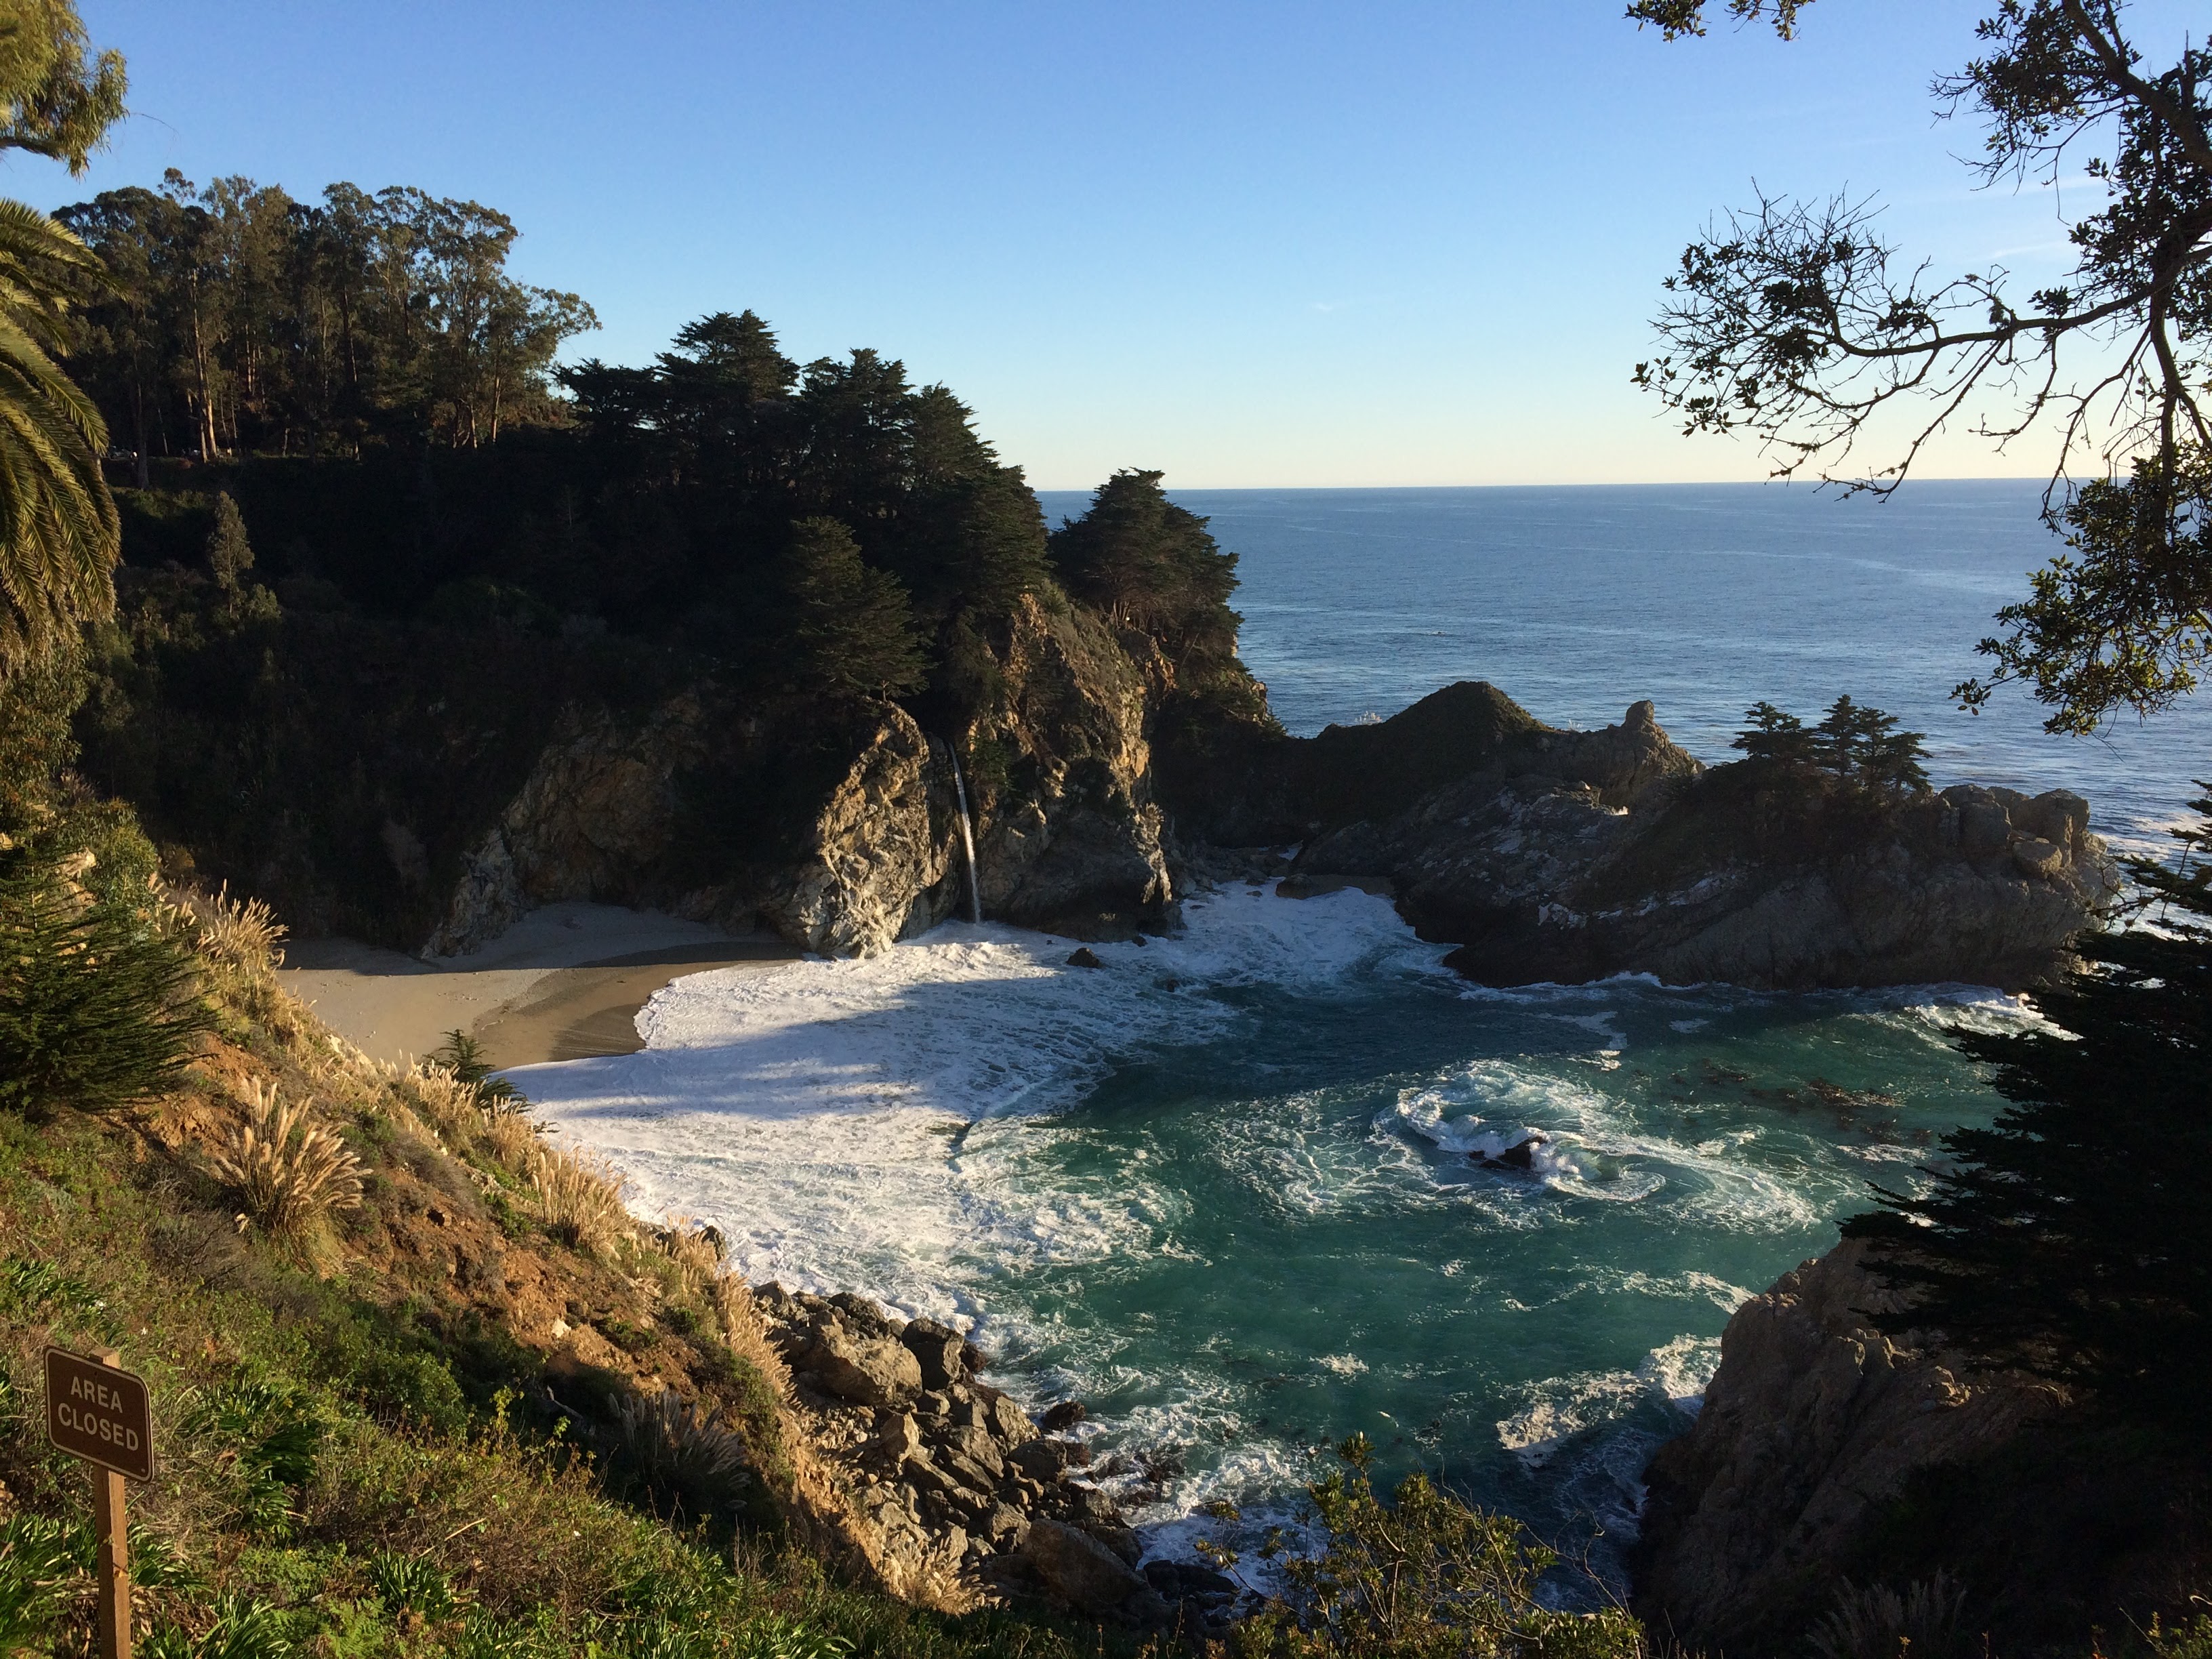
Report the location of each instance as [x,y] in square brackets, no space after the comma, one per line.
[230,554]
[852,629]
[2073,1237]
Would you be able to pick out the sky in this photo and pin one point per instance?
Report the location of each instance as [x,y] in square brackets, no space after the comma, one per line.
[1256,244]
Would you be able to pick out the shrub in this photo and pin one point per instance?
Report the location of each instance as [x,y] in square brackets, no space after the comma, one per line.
[579,1196]
[678,1453]
[1879,1622]
[463,1056]
[96,1008]
[288,1173]
[410,1582]
[1423,1575]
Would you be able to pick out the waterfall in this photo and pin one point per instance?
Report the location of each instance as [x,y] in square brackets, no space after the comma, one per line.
[967,838]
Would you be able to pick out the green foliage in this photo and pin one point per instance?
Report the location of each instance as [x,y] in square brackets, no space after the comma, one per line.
[1676,18]
[411,1582]
[1148,562]
[229,554]
[852,628]
[2070,1237]
[1860,744]
[244,1627]
[36,738]
[59,534]
[463,1056]
[96,1008]
[59,101]
[2124,618]
[1421,1577]
[271,1435]
[38,1565]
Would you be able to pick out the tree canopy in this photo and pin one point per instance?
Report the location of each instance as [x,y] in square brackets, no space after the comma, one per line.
[59,100]
[1797,323]
[1857,743]
[242,321]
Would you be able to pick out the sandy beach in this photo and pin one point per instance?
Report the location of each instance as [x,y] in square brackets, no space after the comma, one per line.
[564,983]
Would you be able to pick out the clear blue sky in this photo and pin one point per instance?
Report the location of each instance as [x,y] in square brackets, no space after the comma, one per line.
[1252,243]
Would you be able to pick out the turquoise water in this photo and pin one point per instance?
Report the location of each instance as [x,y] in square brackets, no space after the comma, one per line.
[1222,1190]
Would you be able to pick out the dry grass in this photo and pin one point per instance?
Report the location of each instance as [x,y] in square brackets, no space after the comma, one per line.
[579,1196]
[243,935]
[510,1137]
[694,1250]
[745,1334]
[288,1172]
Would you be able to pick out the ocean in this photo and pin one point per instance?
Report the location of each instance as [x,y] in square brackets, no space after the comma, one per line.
[1220,1191]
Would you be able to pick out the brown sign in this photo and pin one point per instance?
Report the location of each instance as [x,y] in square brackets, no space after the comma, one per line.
[99,1414]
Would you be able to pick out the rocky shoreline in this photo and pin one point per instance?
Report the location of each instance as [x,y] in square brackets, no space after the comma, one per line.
[954,1493]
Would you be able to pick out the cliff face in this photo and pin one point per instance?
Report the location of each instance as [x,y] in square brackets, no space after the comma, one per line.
[1563,856]
[836,824]
[1068,837]
[1834,1465]
[1814,1428]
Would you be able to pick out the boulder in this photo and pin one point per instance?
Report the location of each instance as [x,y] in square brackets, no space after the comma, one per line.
[1062,1417]
[1084,956]
[938,1348]
[1008,1422]
[975,1446]
[867,1369]
[1080,1571]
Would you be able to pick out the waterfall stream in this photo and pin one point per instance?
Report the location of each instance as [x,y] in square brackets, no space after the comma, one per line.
[967,838]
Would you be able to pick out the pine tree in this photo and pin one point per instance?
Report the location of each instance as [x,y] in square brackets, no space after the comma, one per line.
[1150,564]
[96,1008]
[852,628]
[2072,1238]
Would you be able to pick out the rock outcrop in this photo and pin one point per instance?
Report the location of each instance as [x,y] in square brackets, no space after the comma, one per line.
[827,822]
[956,1495]
[833,824]
[1067,836]
[1566,856]
[1815,1426]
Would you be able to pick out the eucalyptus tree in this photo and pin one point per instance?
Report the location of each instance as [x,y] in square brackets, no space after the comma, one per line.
[1797,323]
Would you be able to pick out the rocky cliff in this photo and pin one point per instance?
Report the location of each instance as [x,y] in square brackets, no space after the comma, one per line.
[1814,1428]
[1563,856]
[835,823]
[1832,1468]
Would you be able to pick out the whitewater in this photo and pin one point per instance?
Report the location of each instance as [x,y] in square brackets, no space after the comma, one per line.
[1227,1187]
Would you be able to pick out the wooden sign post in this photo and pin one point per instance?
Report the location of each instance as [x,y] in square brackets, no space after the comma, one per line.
[101,1413]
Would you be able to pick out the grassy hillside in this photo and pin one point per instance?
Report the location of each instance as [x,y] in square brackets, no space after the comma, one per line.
[479,1412]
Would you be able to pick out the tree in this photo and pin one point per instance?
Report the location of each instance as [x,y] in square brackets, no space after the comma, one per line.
[1856,743]
[230,554]
[1148,562]
[59,534]
[2071,1237]
[57,104]
[1797,323]
[852,628]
